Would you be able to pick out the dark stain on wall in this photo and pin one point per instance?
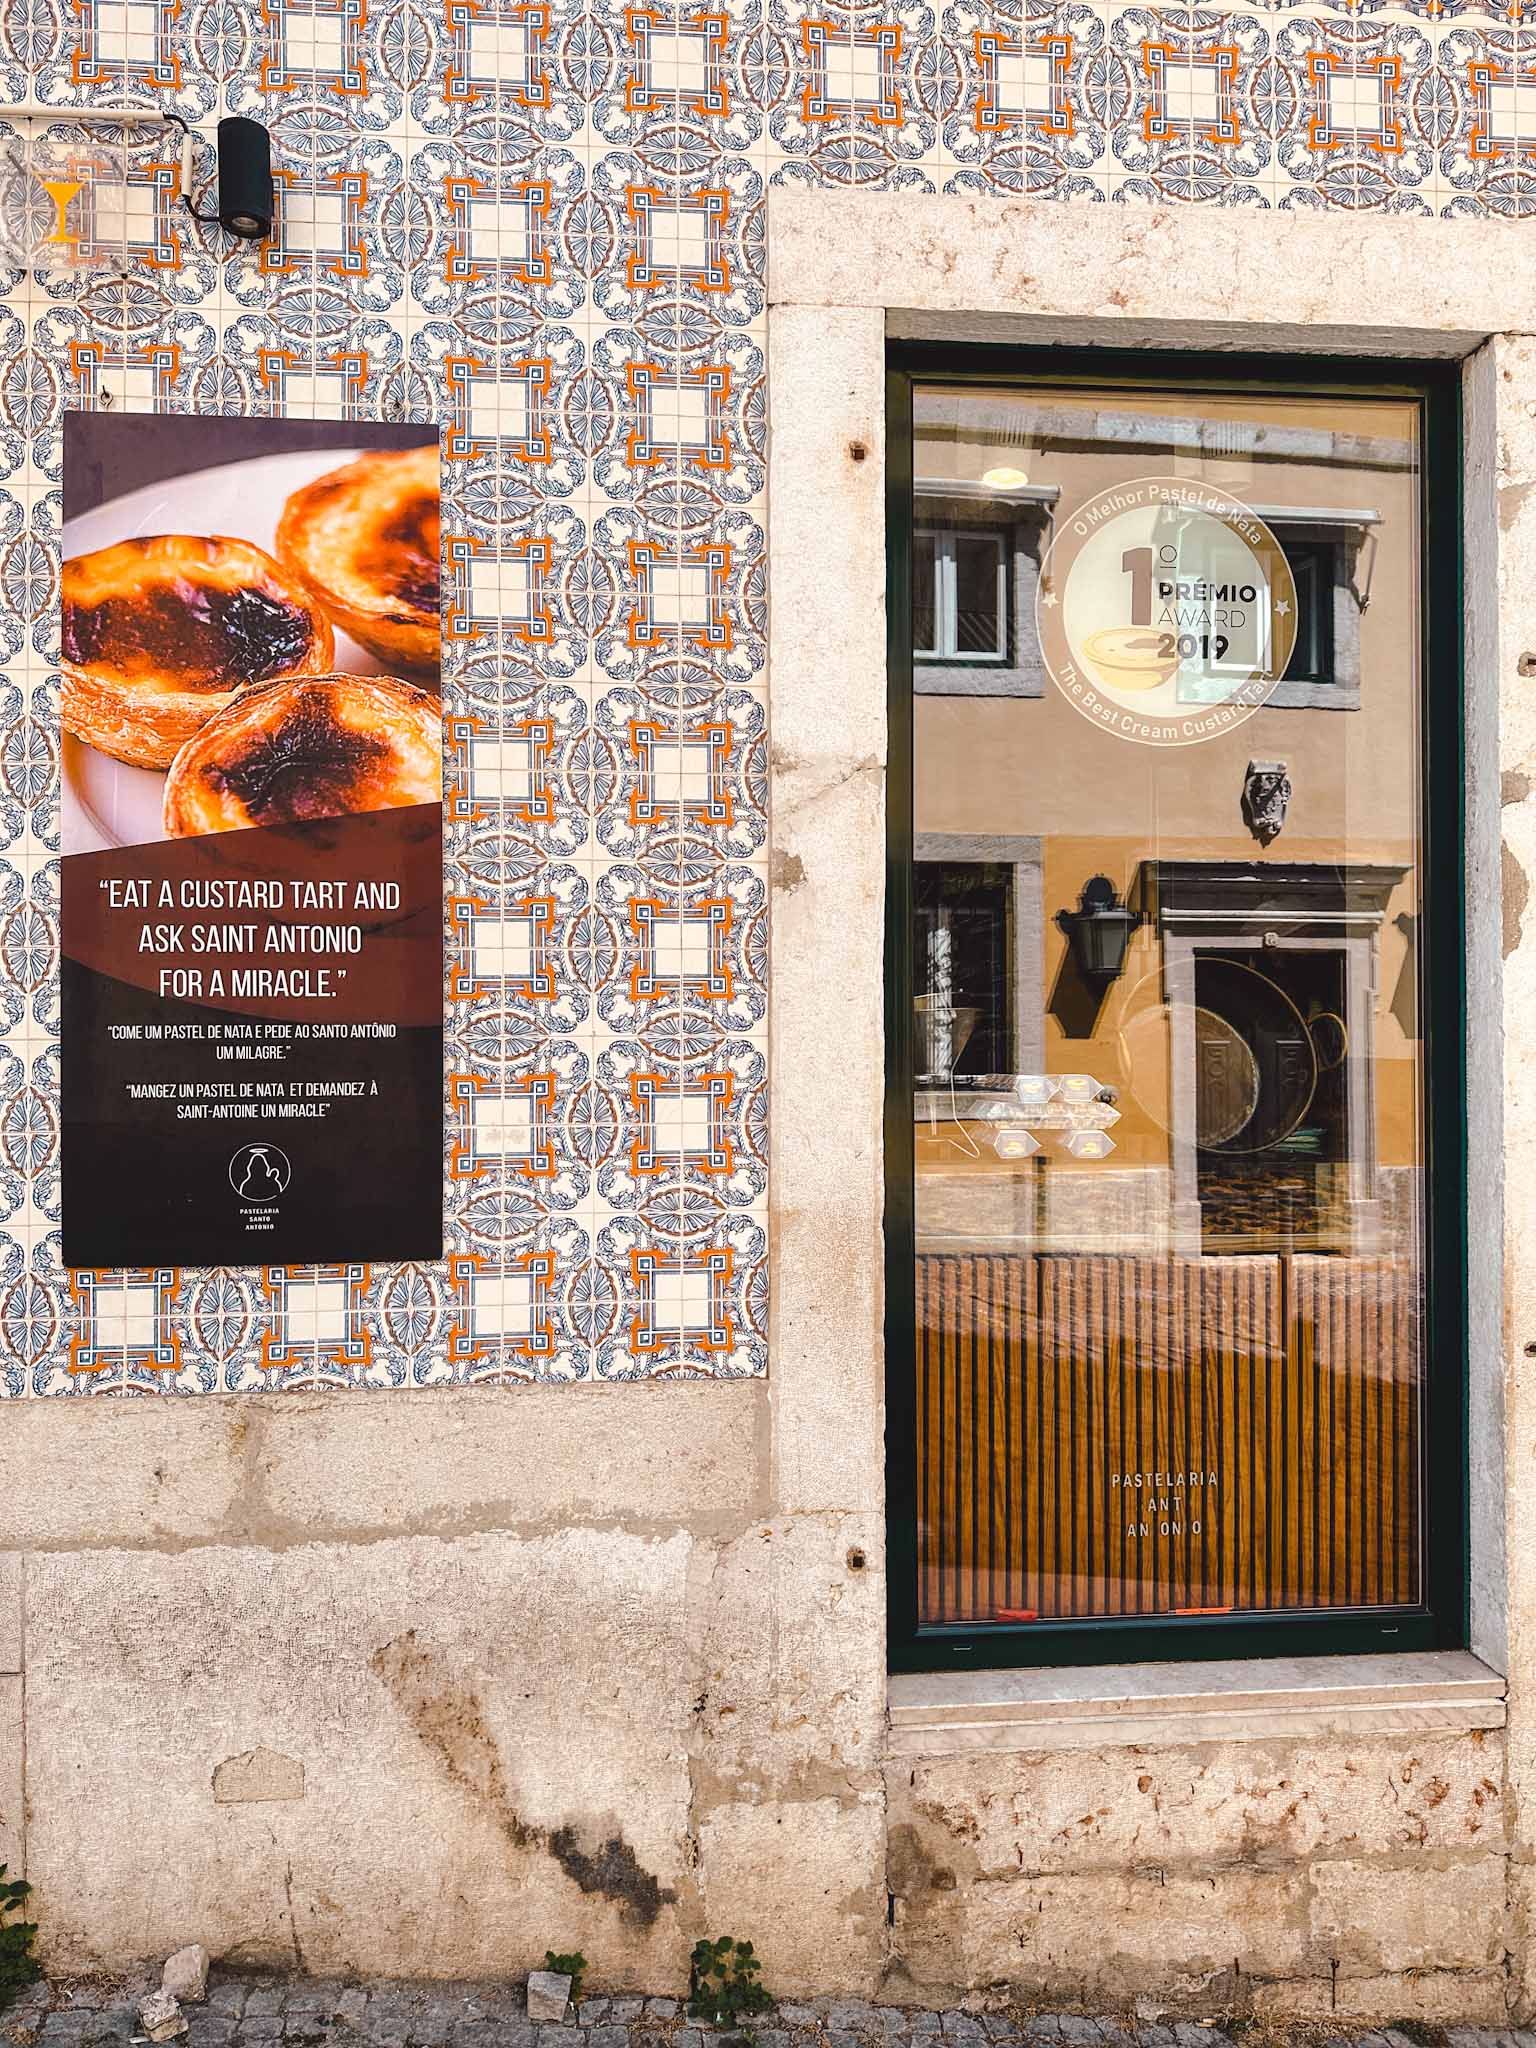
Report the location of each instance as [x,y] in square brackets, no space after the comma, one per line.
[909,1867]
[448,1719]
[613,1873]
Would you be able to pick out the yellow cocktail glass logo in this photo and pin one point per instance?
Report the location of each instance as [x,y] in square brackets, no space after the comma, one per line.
[61,190]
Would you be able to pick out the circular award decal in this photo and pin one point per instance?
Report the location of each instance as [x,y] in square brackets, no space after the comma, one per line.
[1166,610]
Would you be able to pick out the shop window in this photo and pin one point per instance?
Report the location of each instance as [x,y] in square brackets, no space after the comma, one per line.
[1173,990]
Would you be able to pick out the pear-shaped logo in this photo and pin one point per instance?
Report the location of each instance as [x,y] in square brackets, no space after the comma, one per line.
[260,1173]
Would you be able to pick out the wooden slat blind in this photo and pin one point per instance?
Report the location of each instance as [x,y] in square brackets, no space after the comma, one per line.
[1053,1390]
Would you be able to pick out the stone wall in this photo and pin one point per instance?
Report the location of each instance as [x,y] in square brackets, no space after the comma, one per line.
[424,1688]
[1325,1878]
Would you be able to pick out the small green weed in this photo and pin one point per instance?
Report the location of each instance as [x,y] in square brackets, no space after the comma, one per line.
[723,1986]
[572,1966]
[18,1965]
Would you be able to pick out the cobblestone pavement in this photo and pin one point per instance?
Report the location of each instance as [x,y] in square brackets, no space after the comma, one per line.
[268,2012]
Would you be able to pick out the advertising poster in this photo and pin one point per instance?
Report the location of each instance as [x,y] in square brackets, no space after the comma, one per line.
[251,834]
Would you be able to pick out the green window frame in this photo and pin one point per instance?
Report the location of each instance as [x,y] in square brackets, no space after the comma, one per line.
[1441,1620]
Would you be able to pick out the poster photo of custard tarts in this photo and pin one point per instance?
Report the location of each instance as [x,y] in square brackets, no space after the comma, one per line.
[249,625]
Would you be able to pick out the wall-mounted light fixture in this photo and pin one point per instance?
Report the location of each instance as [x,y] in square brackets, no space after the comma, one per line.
[246,206]
[245,178]
[1098,931]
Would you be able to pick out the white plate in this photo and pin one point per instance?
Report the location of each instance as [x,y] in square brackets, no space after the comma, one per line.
[107,803]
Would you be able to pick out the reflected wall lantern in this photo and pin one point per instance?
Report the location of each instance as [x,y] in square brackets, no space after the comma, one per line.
[1098,931]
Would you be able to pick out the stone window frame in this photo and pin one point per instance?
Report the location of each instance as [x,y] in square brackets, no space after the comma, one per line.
[848,272]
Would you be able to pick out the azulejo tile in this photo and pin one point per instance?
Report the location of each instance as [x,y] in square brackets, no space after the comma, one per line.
[673,88]
[33,39]
[683,430]
[33,1317]
[685,236]
[29,762]
[678,1141]
[677,593]
[1483,114]
[686,794]
[133,51]
[1025,120]
[682,1307]
[1358,140]
[540,223]
[314,73]
[499,59]
[293,369]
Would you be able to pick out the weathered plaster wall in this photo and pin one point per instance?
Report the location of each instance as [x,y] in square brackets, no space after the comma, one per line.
[407,1688]
[12,1740]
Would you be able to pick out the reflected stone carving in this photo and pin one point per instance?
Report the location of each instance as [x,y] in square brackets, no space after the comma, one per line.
[1266,799]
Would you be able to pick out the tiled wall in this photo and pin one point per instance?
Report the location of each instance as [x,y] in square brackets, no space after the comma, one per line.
[541,222]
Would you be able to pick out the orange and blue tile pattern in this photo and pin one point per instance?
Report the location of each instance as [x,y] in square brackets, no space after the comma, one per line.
[540,223]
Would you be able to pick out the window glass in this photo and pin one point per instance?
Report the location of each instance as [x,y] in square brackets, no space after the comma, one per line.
[1314,567]
[1168,1074]
[925,594]
[979,595]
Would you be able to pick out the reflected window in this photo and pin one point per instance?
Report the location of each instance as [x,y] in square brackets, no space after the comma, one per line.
[975,564]
[961,608]
[964,917]
[1314,567]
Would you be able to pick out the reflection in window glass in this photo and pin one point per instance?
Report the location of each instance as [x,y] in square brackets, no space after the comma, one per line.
[966,987]
[925,599]
[960,600]
[1168,1062]
[1312,565]
[979,595]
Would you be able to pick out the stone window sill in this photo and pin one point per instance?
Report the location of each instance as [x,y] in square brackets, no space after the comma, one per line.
[1093,1707]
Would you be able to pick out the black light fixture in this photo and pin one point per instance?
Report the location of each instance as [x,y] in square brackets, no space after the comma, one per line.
[1098,931]
[246,203]
[245,178]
